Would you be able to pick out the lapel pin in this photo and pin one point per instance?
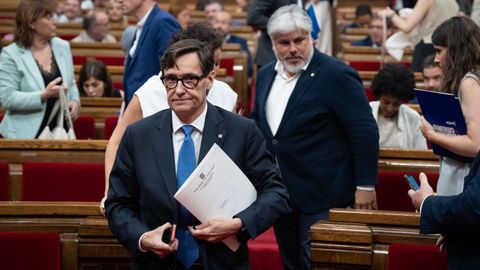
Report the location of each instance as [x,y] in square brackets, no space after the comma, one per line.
[220,136]
[312,74]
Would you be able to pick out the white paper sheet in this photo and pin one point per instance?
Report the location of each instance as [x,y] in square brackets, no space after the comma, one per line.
[217,188]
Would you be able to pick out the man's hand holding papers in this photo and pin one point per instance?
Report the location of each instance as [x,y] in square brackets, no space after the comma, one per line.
[214,193]
[217,229]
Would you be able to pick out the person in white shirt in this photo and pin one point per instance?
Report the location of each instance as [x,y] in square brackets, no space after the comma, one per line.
[398,124]
[151,97]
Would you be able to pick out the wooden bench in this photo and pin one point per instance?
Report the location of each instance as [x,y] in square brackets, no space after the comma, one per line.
[100,108]
[391,159]
[364,53]
[359,239]
[369,75]
[8,8]
[240,70]
[85,238]
[93,49]
[15,152]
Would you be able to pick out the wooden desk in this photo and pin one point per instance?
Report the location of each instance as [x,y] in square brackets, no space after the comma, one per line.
[359,239]
[365,53]
[240,69]
[391,159]
[100,108]
[85,238]
[15,152]
[369,75]
[92,49]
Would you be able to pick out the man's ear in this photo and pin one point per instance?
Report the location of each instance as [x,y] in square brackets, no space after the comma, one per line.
[211,77]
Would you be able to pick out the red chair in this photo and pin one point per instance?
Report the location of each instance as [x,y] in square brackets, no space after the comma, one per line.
[4,182]
[67,37]
[392,190]
[227,64]
[63,182]
[112,60]
[365,65]
[118,85]
[84,127]
[79,60]
[415,257]
[372,65]
[369,93]
[29,250]
[264,253]
[110,124]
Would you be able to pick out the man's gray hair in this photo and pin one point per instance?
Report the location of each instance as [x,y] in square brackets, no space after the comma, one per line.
[287,19]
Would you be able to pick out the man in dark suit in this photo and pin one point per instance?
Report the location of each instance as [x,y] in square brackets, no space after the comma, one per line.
[140,204]
[259,12]
[318,124]
[221,22]
[155,27]
[457,218]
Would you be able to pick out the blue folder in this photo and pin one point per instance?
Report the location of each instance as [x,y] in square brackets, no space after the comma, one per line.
[444,113]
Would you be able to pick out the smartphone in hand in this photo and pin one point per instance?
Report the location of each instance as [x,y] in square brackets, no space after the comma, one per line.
[411,182]
[169,235]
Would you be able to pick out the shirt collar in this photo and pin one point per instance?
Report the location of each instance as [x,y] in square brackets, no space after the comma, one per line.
[198,123]
[141,23]
[400,122]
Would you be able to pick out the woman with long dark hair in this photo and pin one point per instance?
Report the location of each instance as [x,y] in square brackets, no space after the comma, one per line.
[95,81]
[457,45]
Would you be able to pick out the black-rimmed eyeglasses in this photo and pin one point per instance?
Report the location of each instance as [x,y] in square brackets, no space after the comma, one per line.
[189,82]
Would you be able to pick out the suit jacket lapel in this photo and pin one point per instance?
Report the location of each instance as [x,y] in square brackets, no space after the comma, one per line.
[213,131]
[301,87]
[29,61]
[60,59]
[143,35]
[262,97]
[162,144]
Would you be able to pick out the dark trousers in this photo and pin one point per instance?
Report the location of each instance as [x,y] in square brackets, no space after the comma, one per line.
[291,232]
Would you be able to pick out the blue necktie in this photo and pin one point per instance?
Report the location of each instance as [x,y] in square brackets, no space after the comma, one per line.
[187,252]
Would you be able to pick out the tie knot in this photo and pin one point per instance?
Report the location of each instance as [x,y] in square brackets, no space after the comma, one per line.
[187,130]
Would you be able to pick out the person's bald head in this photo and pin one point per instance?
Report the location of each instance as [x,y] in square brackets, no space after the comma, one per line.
[221,22]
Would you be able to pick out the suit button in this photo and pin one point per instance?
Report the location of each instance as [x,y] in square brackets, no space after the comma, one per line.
[274,142]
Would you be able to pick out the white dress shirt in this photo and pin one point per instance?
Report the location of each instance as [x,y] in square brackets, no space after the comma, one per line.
[282,89]
[177,138]
[178,135]
[140,25]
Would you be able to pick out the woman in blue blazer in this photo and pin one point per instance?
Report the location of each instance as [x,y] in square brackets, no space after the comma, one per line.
[32,70]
